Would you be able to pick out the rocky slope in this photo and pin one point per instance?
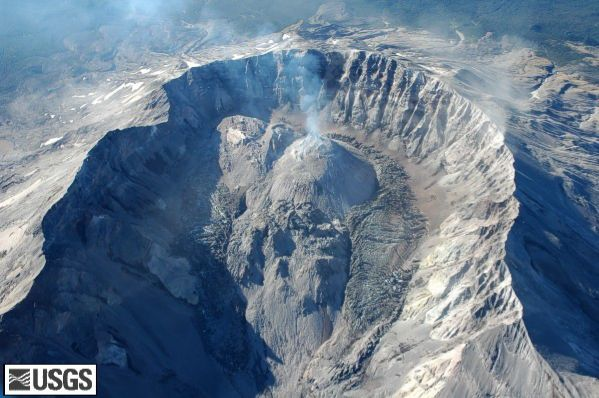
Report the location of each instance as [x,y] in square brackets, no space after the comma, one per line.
[305,221]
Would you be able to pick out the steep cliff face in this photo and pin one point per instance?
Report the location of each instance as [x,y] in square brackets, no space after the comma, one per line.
[305,221]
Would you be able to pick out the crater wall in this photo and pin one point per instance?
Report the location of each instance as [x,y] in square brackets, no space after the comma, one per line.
[273,237]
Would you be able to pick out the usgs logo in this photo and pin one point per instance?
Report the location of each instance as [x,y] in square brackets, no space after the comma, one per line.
[49,379]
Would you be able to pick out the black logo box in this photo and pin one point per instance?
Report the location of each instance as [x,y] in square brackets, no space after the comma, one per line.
[21,383]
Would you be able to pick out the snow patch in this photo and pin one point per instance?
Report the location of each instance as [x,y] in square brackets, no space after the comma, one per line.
[17,197]
[235,136]
[52,140]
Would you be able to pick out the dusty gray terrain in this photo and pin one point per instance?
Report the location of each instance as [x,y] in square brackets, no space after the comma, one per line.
[336,209]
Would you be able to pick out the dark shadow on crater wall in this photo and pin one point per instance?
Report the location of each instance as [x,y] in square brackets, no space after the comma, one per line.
[96,299]
[142,198]
[552,259]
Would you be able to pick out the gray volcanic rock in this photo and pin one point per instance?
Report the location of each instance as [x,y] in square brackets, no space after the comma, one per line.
[318,172]
[306,222]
